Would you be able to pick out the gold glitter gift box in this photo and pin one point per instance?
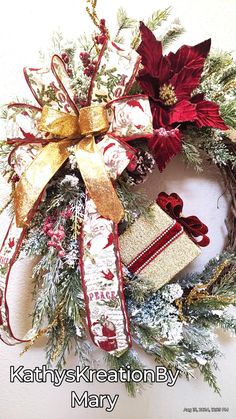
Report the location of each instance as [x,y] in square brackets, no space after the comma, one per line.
[156,248]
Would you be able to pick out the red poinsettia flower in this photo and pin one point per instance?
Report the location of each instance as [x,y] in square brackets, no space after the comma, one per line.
[169,82]
[165,144]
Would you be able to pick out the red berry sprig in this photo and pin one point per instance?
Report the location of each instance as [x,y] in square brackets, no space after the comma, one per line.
[67,213]
[89,66]
[66,58]
[88,63]
[85,58]
[15,178]
[101,38]
[56,235]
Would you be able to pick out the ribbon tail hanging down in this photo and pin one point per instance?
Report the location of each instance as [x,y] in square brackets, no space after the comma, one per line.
[36,177]
[101,267]
[97,182]
[9,253]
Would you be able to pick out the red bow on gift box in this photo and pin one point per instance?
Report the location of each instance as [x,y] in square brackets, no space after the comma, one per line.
[173,205]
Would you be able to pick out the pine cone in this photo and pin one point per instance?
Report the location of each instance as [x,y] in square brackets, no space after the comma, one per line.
[122,226]
[145,164]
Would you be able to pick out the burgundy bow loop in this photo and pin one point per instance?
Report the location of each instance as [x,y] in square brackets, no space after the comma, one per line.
[173,205]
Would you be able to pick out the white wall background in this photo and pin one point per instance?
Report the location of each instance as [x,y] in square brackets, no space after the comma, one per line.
[26,27]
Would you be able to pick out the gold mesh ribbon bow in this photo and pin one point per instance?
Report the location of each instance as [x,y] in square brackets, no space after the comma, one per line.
[78,131]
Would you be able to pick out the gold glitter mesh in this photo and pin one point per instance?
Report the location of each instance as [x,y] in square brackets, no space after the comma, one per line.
[201,291]
[171,261]
[167,94]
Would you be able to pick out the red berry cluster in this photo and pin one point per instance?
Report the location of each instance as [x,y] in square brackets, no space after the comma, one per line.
[65,57]
[101,38]
[56,235]
[89,66]
[67,213]
[88,63]
[15,178]
[81,102]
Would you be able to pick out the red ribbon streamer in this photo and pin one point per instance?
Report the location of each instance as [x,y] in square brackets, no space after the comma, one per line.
[157,246]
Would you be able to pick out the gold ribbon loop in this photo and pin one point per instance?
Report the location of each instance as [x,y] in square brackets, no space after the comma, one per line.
[59,123]
[74,130]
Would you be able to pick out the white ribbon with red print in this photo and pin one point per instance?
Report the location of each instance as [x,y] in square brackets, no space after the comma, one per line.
[8,254]
[101,267]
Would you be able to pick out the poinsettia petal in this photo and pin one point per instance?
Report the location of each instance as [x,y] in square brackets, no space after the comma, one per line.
[149,85]
[165,145]
[150,50]
[185,82]
[197,98]
[187,65]
[182,112]
[160,116]
[208,115]
[190,57]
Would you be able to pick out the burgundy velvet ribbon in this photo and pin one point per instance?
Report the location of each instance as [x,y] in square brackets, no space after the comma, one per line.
[157,246]
[173,205]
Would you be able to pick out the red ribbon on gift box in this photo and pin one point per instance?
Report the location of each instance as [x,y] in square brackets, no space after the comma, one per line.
[173,205]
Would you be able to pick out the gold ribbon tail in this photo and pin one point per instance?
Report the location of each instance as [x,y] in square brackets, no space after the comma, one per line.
[36,177]
[96,179]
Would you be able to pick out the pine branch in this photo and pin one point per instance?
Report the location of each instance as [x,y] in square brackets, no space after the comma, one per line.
[4,112]
[206,305]
[157,18]
[228,75]
[72,343]
[57,40]
[216,63]
[191,155]
[154,21]
[173,33]
[215,318]
[226,286]
[135,204]
[228,113]
[129,358]
[226,322]
[219,152]
[209,377]
[124,22]
[212,143]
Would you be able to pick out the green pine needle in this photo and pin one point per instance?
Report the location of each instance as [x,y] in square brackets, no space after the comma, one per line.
[157,18]
[130,359]
[209,377]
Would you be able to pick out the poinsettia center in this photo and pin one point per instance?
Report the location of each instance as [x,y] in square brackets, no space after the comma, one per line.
[167,94]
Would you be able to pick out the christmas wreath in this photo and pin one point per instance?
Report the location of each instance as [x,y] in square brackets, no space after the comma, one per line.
[107,257]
